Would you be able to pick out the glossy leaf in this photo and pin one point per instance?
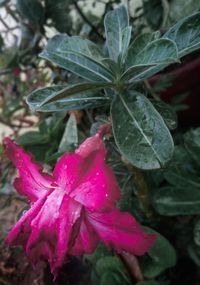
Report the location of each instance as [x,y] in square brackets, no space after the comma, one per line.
[45,95]
[186,34]
[168,114]
[117,32]
[77,55]
[162,256]
[140,132]
[160,52]
[172,201]
[80,101]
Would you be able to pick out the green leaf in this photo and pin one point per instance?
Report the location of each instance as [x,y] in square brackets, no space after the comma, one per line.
[58,11]
[181,173]
[140,132]
[31,10]
[70,136]
[117,31]
[168,114]
[77,55]
[162,256]
[150,282]
[172,201]
[111,268]
[109,263]
[192,144]
[186,34]
[126,37]
[153,12]
[197,233]
[32,137]
[194,253]
[159,53]
[45,95]
[76,102]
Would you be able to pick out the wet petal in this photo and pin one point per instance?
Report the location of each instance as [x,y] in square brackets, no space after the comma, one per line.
[51,230]
[20,232]
[68,170]
[98,189]
[91,144]
[121,231]
[87,239]
[31,182]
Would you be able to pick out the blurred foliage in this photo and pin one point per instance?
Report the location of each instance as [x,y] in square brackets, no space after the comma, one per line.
[167,200]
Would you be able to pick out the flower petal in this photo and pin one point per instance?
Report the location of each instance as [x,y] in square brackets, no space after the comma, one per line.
[87,239]
[86,177]
[98,189]
[51,230]
[121,231]
[20,232]
[91,144]
[67,171]
[32,182]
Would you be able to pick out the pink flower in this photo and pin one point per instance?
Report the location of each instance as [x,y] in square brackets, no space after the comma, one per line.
[74,209]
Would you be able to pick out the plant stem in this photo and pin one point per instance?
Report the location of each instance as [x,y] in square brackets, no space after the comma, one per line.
[152,92]
[87,20]
[166,9]
[142,191]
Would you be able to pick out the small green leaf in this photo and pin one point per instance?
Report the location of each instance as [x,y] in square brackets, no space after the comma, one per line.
[194,253]
[140,132]
[117,31]
[153,12]
[186,34]
[32,137]
[158,53]
[109,263]
[150,282]
[31,10]
[58,11]
[197,233]
[172,201]
[77,55]
[192,144]
[162,256]
[45,95]
[70,136]
[168,114]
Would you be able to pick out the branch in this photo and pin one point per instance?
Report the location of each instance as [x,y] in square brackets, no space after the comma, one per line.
[94,29]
